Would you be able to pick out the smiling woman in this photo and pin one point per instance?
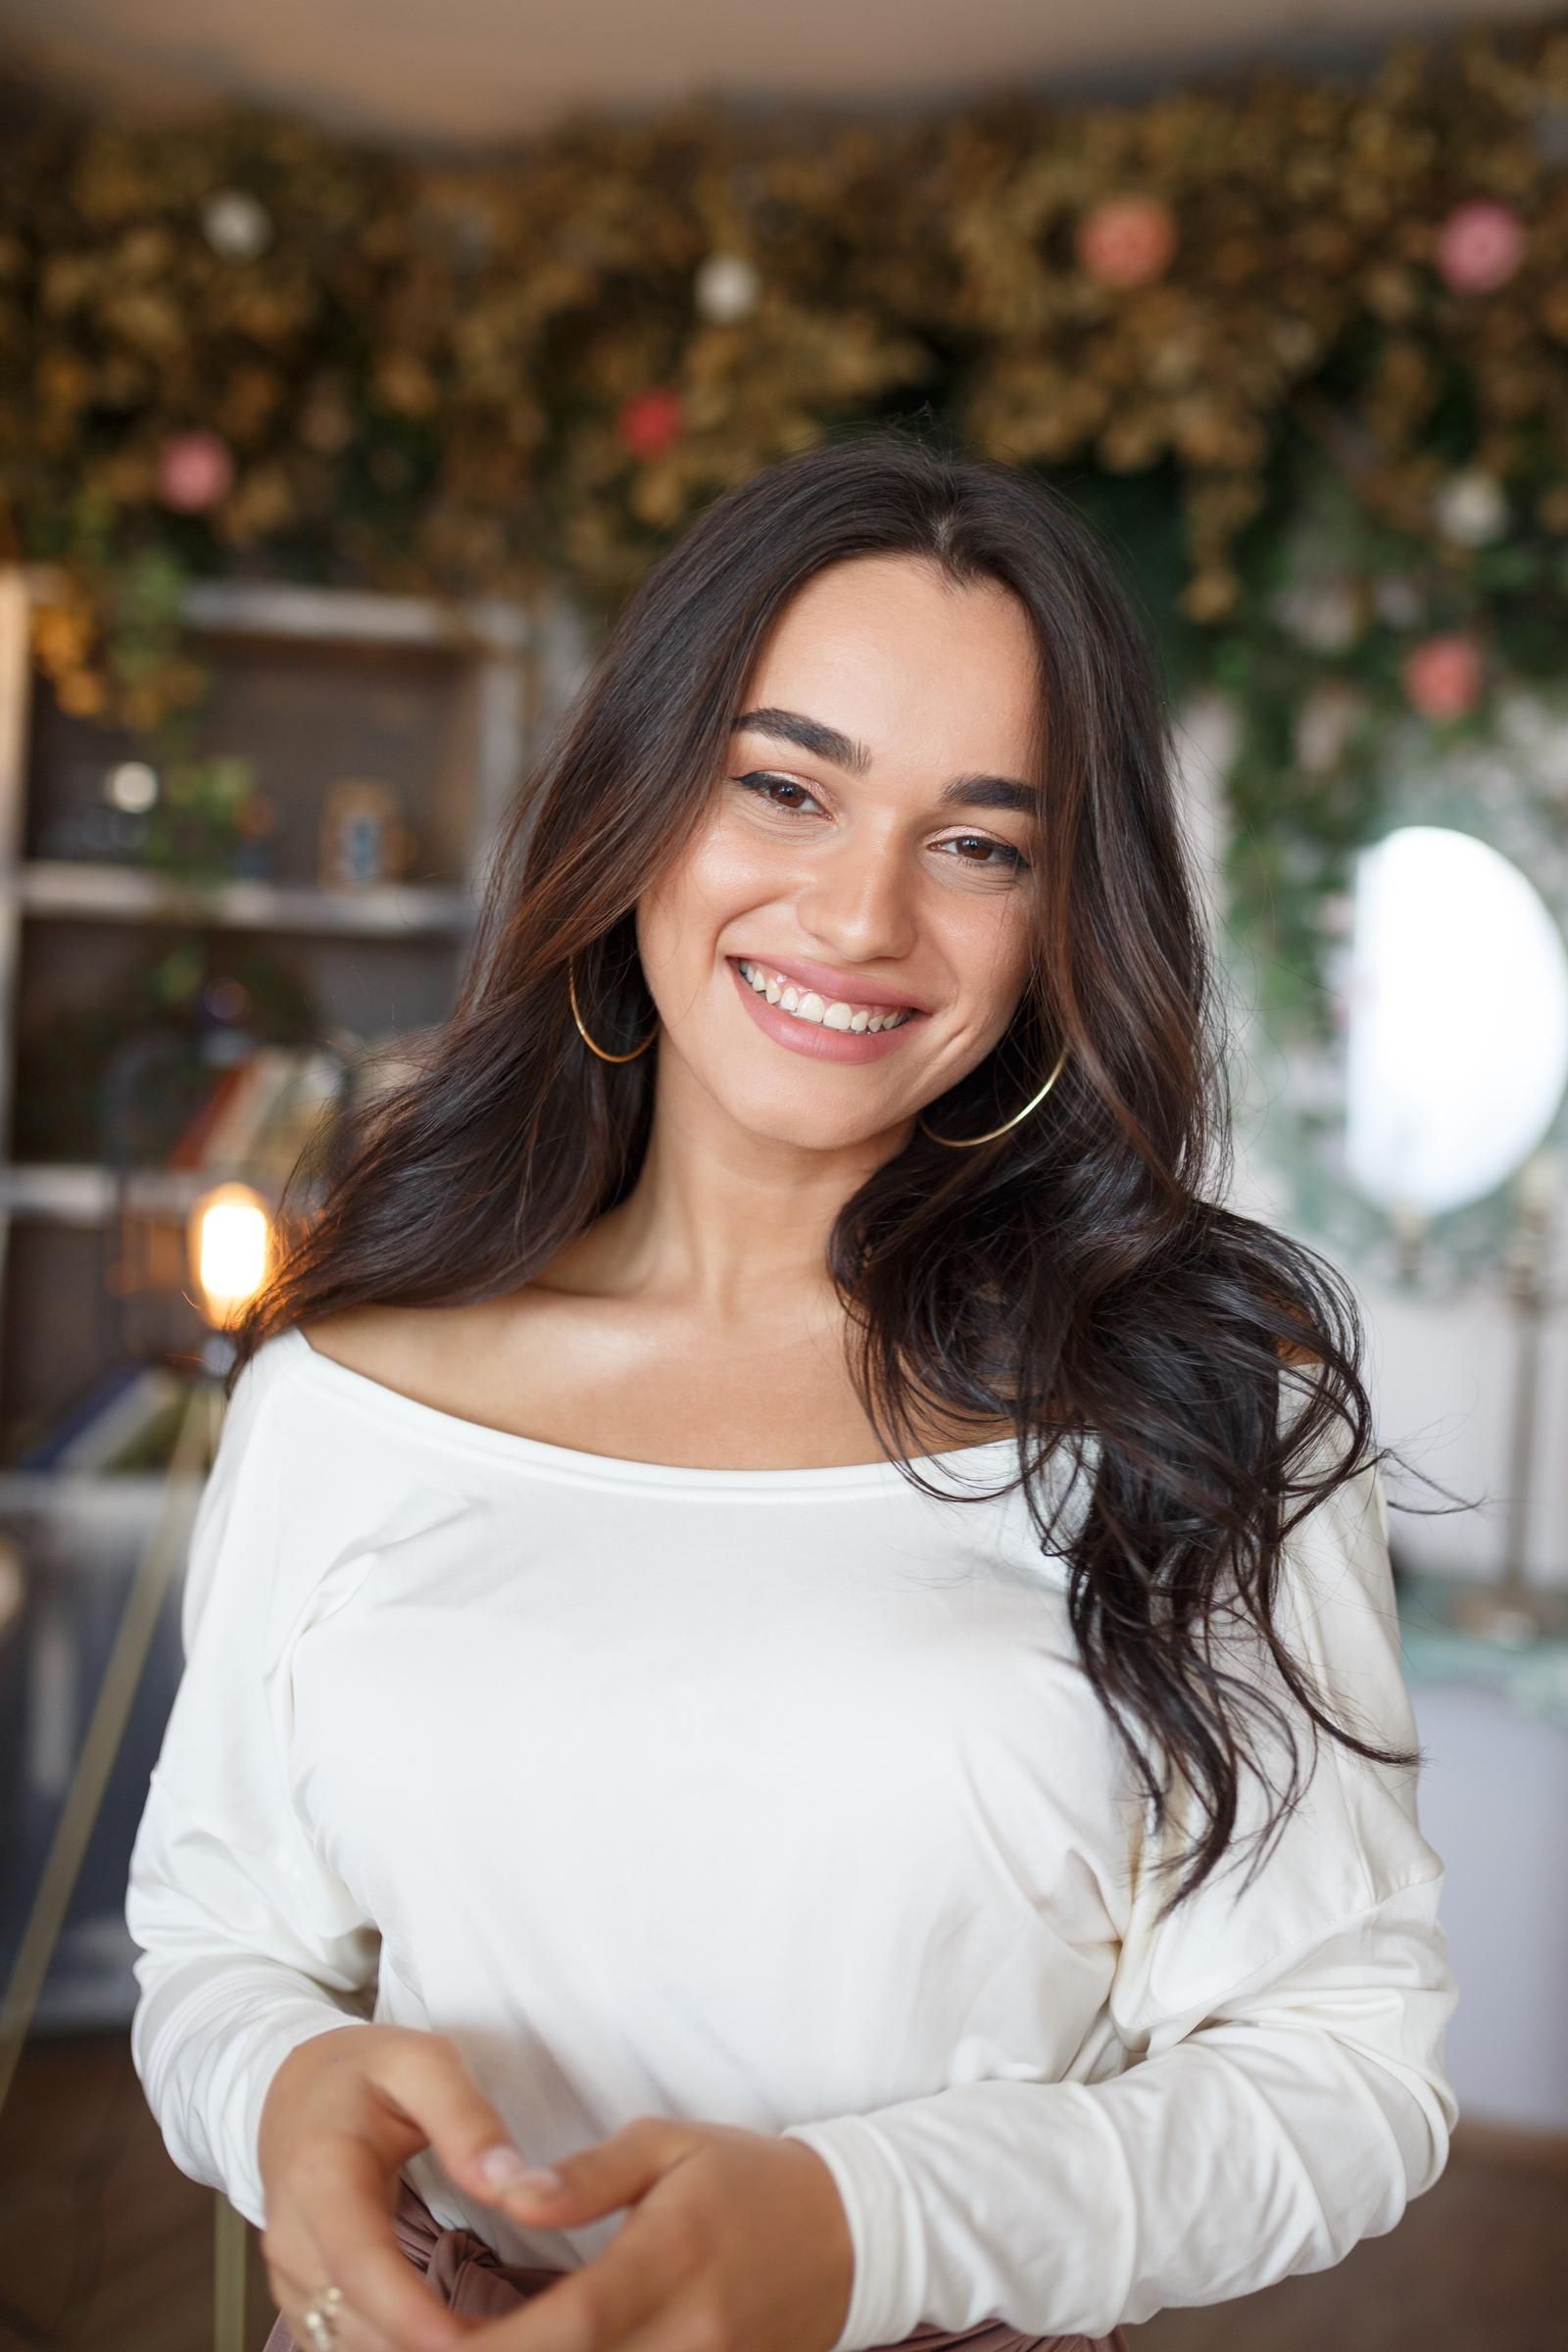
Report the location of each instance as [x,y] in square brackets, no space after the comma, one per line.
[757,1534]
[896,939]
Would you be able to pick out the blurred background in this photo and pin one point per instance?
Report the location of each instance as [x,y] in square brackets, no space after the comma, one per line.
[355,362]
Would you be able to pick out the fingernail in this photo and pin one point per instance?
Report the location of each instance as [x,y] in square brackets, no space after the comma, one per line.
[503,2167]
[543,2182]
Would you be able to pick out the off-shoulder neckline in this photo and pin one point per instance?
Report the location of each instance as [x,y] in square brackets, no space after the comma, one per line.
[956,1469]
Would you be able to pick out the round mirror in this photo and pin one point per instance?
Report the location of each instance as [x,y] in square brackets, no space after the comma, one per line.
[1397,1145]
[1456,1028]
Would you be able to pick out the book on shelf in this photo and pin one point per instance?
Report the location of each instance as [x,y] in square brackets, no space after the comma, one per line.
[191,1143]
[259,1115]
[124,1420]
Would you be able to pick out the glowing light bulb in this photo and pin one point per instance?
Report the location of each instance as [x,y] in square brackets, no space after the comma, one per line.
[231,1248]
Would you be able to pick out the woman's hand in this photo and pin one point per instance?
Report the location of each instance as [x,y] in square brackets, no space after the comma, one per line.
[735,2240]
[341,2114]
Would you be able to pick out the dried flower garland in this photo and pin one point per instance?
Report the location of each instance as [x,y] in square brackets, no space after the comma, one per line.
[1302,343]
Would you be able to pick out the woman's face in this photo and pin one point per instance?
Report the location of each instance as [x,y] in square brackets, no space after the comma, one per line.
[848,932]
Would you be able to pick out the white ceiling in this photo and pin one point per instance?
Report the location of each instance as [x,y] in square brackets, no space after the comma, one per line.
[446,72]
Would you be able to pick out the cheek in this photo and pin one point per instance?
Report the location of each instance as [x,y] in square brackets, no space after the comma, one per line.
[680,918]
[988,945]
[722,874]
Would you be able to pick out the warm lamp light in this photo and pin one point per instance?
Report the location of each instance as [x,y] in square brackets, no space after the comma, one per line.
[230,1249]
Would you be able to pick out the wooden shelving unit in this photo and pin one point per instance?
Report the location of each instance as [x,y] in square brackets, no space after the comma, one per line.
[493,679]
[449,704]
[65,888]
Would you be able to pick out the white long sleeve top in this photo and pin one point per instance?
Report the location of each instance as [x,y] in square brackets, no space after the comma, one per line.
[777,1798]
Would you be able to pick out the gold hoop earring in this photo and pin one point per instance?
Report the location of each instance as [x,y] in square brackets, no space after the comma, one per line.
[966,1143]
[571,991]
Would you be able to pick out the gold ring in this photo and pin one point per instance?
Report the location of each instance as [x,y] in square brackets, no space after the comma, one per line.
[320,2319]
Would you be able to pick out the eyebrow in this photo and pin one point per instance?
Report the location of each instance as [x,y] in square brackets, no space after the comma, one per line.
[814,735]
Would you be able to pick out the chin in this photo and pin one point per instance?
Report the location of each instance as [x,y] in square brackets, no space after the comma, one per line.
[802,1116]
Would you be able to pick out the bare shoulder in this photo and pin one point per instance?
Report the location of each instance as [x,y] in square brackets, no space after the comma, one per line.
[477,1362]
[402,1346]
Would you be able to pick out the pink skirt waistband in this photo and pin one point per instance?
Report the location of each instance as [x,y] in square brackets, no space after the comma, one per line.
[472,2279]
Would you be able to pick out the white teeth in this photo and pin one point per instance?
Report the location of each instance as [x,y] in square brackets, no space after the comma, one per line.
[807,1005]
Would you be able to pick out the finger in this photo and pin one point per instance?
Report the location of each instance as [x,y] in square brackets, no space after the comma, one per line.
[429,2078]
[297,2284]
[293,2293]
[352,2334]
[606,2175]
[624,2288]
[352,2243]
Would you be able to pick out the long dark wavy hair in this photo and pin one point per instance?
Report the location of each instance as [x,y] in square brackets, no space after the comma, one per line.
[1073,1278]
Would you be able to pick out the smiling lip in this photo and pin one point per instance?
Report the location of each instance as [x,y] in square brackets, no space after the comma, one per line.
[841,985]
[810,1038]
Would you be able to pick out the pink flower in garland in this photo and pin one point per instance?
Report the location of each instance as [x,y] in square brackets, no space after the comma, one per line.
[649,422]
[1126,240]
[1479,245]
[1443,675]
[194,471]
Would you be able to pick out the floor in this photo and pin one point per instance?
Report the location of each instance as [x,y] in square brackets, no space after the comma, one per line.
[105,2246]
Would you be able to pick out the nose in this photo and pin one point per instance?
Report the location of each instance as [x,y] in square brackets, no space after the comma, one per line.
[857,900]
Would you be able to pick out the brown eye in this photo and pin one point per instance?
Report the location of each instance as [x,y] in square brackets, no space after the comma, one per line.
[1011,861]
[765,787]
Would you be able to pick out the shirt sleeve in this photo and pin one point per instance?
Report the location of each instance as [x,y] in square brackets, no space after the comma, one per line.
[1279,2090]
[249,1944]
